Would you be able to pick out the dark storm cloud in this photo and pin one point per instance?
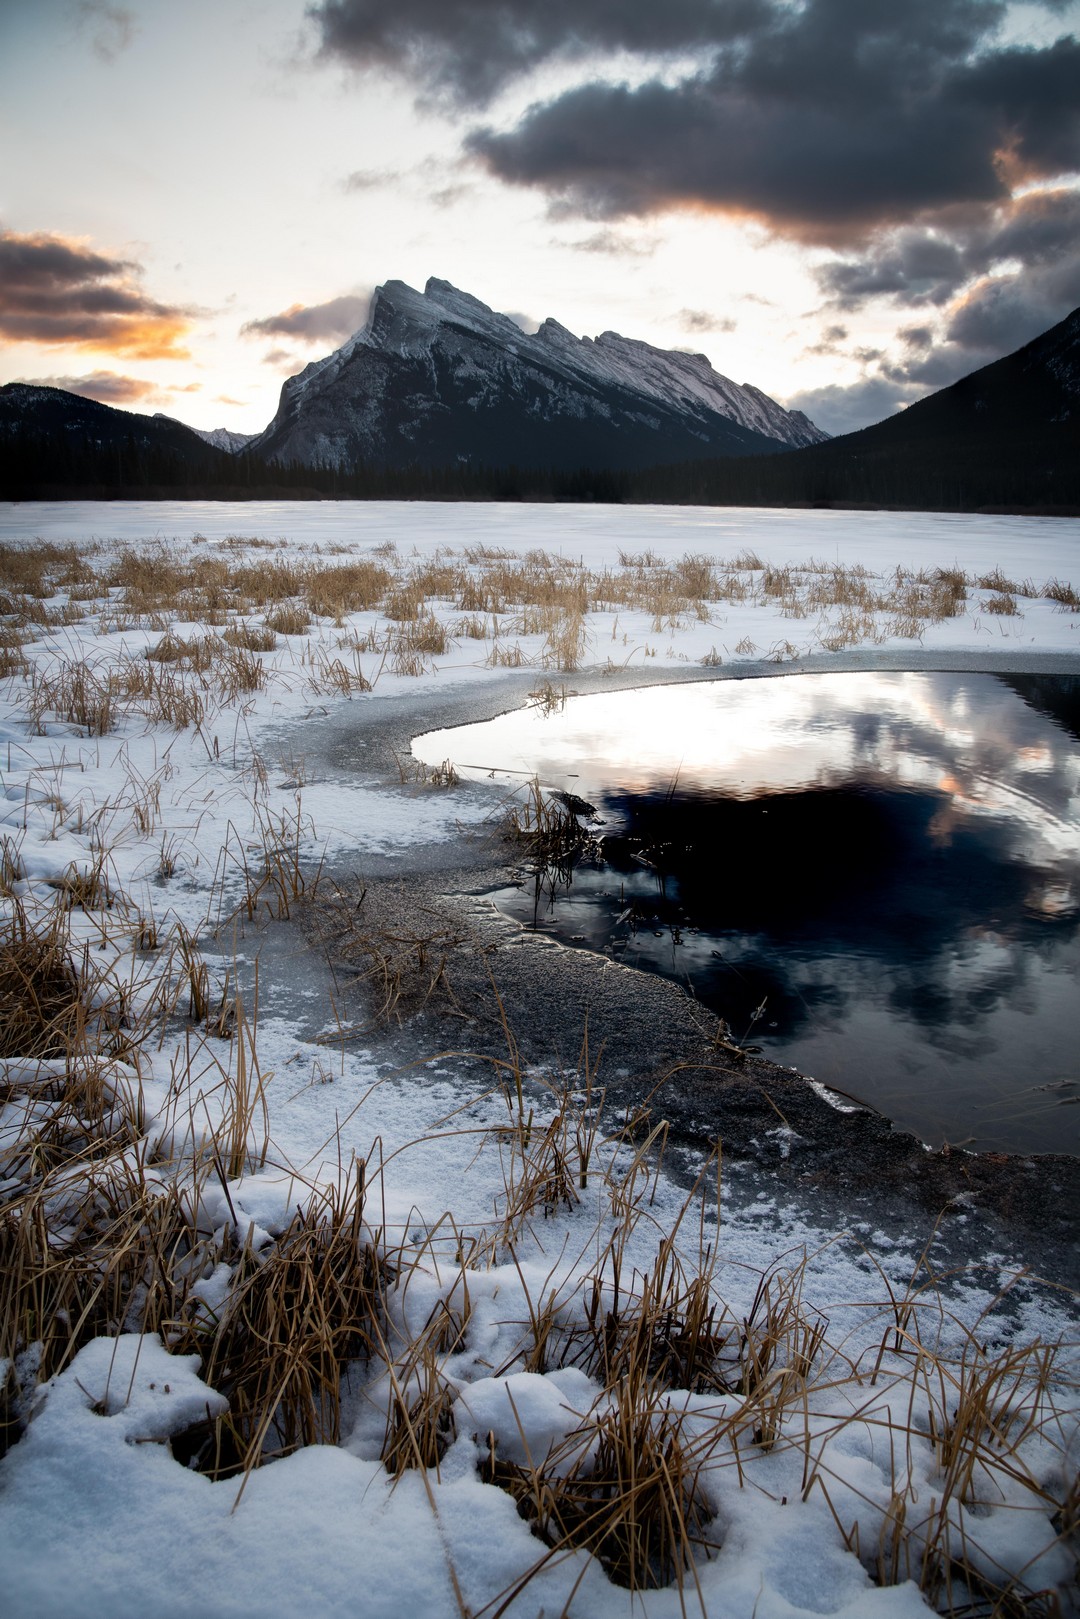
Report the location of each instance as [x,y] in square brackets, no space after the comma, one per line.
[700,320]
[914,266]
[370,179]
[927,265]
[825,120]
[1032,94]
[897,135]
[1040,228]
[840,409]
[105,386]
[996,316]
[616,244]
[1002,313]
[991,282]
[470,49]
[58,292]
[334,320]
[52,261]
[825,160]
[981,305]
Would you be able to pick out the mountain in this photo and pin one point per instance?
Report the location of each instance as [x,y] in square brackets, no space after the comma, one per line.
[25,407]
[1007,435]
[49,437]
[437,377]
[1031,396]
[223,438]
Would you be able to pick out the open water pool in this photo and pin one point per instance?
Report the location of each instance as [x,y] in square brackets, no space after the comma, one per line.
[874,877]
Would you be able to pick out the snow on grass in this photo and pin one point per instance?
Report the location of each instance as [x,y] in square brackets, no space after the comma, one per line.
[490,1357]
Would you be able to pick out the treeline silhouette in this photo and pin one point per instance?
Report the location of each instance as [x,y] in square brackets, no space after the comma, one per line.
[59,465]
[1040,474]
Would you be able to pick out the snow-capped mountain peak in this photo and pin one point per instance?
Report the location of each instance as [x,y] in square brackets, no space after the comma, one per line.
[224,438]
[437,376]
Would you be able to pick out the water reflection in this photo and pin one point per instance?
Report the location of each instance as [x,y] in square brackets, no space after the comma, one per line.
[876,877]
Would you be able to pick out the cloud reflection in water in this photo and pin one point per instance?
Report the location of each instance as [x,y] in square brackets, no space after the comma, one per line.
[889,862]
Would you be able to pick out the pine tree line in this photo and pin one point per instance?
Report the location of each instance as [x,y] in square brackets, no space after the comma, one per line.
[966,474]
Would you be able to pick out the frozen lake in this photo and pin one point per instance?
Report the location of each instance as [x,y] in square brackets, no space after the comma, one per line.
[1042,546]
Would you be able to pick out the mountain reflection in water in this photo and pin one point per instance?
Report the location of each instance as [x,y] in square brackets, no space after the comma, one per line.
[875,877]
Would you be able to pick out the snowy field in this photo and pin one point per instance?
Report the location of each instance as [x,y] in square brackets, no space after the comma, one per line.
[1041,546]
[757,1418]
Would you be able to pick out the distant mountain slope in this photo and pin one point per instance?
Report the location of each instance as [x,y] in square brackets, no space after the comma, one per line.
[224,438]
[1007,435]
[84,424]
[437,377]
[53,443]
[1025,396]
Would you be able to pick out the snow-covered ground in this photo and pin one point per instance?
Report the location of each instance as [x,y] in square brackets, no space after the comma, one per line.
[96,1515]
[1040,546]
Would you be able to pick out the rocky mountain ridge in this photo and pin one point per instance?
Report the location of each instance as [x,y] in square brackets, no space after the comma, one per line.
[437,377]
[225,438]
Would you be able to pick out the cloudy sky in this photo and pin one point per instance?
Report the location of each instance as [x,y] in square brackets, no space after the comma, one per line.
[849,203]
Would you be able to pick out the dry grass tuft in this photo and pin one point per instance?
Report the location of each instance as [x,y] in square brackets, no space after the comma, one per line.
[42,1010]
[502,656]
[336,675]
[666,1326]
[282,878]
[349,588]
[13,660]
[566,643]
[196,654]
[547,830]
[84,888]
[111,1251]
[997,581]
[472,628]
[44,569]
[420,1415]
[415,771]
[288,618]
[77,693]
[251,637]
[297,1313]
[625,1486]
[270,581]
[423,634]
[12,870]
[548,698]
[1063,594]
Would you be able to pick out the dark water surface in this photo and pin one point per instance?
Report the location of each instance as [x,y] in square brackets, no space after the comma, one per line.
[874,877]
